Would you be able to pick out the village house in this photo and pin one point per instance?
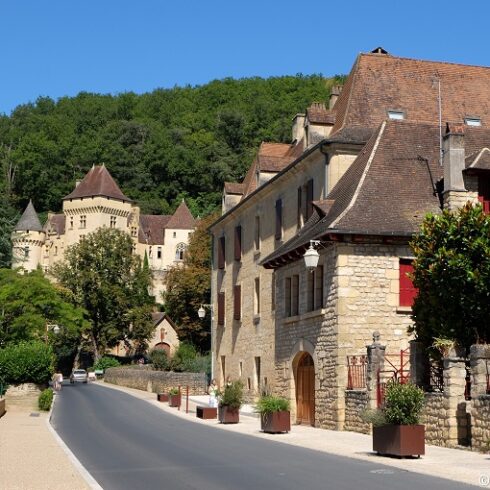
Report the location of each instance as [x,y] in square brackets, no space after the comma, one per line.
[401,138]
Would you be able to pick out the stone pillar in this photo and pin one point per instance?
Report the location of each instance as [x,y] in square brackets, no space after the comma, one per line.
[419,364]
[454,387]
[480,366]
[375,359]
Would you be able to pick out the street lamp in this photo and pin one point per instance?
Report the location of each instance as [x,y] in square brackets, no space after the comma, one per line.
[201,312]
[311,256]
[51,326]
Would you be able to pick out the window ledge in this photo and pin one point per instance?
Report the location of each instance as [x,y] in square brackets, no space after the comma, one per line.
[305,316]
[404,310]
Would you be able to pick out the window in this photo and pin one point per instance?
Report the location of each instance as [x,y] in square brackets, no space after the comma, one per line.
[134,231]
[295,295]
[257,233]
[55,250]
[221,252]
[257,372]
[407,289]
[221,309]
[257,296]
[240,369]
[319,287]
[396,115]
[71,222]
[310,290]
[26,252]
[278,219]
[113,222]
[237,302]
[149,251]
[238,243]
[83,221]
[287,296]
[159,252]
[484,193]
[309,199]
[179,251]
[472,121]
[273,291]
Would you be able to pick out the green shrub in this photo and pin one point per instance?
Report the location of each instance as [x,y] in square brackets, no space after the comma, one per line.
[159,360]
[45,399]
[270,403]
[106,362]
[173,391]
[232,395]
[403,403]
[373,416]
[27,362]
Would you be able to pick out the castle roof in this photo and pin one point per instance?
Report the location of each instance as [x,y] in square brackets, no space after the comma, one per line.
[29,220]
[97,182]
[182,219]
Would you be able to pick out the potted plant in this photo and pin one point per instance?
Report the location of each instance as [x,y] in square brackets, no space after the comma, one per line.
[162,397]
[396,428]
[174,397]
[229,402]
[274,414]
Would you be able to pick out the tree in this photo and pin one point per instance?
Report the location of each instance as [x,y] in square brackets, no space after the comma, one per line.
[188,286]
[452,274]
[111,284]
[29,304]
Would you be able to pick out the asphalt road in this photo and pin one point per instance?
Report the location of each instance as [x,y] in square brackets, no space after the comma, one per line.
[126,443]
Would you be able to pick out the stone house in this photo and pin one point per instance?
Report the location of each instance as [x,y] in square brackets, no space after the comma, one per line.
[359,190]
[97,201]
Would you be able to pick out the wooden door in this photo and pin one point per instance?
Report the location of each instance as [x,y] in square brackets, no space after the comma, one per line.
[305,391]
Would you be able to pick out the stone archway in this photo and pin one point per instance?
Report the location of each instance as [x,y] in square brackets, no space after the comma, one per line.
[163,346]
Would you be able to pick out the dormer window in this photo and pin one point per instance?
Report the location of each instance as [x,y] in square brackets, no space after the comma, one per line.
[472,121]
[396,115]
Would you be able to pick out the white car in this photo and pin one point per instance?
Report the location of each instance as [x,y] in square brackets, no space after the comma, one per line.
[78,375]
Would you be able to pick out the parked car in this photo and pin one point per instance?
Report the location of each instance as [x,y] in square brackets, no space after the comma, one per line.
[78,375]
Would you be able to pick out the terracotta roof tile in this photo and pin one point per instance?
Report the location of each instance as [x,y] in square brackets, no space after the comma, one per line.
[317,113]
[182,219]
[233,188]
[151,229]
[97,182]
[479,160]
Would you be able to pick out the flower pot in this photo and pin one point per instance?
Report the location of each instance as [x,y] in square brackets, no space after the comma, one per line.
[162,397]
[275,422]
[399,440]
[228,415]
[174,400]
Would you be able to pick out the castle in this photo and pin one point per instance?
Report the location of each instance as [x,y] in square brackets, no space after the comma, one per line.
[97,201]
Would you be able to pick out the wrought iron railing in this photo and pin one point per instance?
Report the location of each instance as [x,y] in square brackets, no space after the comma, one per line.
[356,372]
[436,377]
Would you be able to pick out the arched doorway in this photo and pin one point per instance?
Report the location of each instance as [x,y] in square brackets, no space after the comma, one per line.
[163,346]
[305,390]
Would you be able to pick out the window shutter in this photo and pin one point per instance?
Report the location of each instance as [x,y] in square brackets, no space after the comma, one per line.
[484,193]
[238,243]
[221,252]
[309,198]
[407,289]
[221,309]
[278,219]
[237,302]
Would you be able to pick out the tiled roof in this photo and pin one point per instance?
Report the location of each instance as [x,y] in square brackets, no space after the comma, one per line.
[479,160]
[273,157]
[151,229]
[158,317]
[317,113]
[233,188]
[380,82]
[29,220]
[98,182]
[57,223]
[182,219]
[388,189]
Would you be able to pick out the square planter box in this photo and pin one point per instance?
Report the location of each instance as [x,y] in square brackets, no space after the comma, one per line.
[228,415]
[162,397]
[399,440]
[174,400]
[206,412]
[275,422]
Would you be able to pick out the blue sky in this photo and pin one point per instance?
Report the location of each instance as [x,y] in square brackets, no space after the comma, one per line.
[62,47]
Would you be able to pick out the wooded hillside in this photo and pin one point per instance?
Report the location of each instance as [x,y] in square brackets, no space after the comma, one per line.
[160,146]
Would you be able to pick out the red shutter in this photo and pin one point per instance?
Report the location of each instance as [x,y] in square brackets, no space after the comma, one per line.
[238,243]
[237,302]
[484,193]
[221,309]
[309,199]
[407,289]
[278,219]
[221,252]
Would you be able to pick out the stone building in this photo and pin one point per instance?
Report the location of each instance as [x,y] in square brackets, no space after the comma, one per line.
[97,202]
[357,180]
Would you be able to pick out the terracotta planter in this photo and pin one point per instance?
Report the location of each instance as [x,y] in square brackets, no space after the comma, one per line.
[275,422]
[399,440]
[174,400]
[162,397]
[227,415]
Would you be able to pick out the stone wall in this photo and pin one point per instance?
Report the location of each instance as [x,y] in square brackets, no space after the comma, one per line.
[356,401]
[23,397]
[480,430]
[156,381]
[434,416]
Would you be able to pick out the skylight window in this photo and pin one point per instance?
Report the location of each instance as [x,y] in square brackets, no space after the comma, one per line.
[472,121]
[397,115]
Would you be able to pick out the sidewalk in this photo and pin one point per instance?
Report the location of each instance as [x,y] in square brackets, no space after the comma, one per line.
[31,457]
[453,464]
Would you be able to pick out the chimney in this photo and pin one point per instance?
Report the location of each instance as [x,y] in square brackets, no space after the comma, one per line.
[454,164]
[334,95]
[298,127]
[77,183]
